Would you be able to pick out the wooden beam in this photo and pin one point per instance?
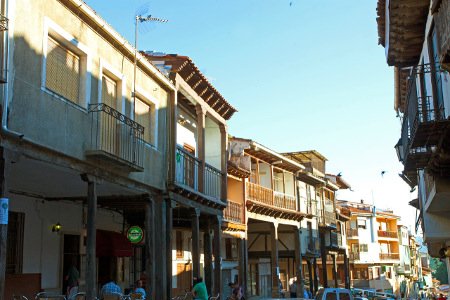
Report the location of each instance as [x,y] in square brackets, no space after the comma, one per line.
[195,214]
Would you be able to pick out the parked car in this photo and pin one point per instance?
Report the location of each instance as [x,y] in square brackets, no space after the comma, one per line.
[334,294]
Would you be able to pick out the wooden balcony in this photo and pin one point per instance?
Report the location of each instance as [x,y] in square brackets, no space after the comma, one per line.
[442,19]
[389,256]
[313,248]
[234,212]
[267,201]
[352,233]
[387,234]
[354,256]
[336,240]
[198,177]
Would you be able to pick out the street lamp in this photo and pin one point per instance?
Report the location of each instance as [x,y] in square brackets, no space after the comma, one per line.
[141,19]
[400,150]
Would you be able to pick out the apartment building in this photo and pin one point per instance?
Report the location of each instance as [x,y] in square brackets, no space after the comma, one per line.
[83,149]
[325,236]
[418,50]
[373,244]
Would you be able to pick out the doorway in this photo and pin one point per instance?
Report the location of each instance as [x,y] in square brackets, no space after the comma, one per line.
[71,256]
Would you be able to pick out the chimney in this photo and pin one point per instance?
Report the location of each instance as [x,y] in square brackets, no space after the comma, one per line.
[362,201]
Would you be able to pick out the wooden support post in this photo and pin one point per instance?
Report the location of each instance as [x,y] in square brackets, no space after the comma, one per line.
[4,225]
[299,261]
[149,248]
[172,116]
[346,271]
[243,260]
[91,265]
[195,223]
[311,281]
[201,120]
[316,275]
[223,160]
[217,257]
[207,249]
[274,261]
[333,256]
[169,241]
[323,253]
[160,242]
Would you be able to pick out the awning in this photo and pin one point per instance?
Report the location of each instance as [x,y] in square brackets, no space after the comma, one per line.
[114,244]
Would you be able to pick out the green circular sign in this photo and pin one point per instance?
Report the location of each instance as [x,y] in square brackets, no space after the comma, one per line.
[135,234]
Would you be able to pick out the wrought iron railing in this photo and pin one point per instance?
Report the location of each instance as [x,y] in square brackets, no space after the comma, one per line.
[234,212]
[387,234]
[116,134]
[187,168]
[212,179]
[388,256]
[335,239]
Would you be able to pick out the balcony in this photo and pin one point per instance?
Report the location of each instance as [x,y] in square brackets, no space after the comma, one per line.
[352,233]
[234,212]
[336,240]
[437,193]
[190,171]
[3,46]
[266,196]
[354,256]
[424,122]
[387,234]
[313,248]
[389,256]
[115,138]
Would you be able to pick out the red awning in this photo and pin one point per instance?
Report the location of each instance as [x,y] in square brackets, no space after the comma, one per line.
[111,243]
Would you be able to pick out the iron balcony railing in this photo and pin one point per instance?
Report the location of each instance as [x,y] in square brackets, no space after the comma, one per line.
[116,134]
[328,214]
[387,234]
[389,256]
[263,195]
[420,110]
[335,240]
[189,170]
[234,212]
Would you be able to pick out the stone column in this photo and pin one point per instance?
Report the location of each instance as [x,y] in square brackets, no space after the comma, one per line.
[195,225]
[217,256]
[274,260]
[91,266]
[299,261]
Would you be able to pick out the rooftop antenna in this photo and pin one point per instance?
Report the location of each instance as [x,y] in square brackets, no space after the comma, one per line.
[139,18]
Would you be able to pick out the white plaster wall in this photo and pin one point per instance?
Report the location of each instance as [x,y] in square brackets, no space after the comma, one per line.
[42,248]
[265,176]
[213,144]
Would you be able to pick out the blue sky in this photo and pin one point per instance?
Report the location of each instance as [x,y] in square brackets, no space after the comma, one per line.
[302,74]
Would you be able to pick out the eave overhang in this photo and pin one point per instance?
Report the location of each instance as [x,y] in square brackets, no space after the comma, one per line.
[401,29]
[260,208]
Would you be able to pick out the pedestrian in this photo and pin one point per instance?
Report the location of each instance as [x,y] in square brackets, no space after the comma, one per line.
[72,278]
[293,287]
[110,288]
[139,289]
[237,293]
[199,289]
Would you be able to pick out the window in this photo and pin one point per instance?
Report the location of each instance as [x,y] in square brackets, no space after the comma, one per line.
[331,296]
[14,245]
[63,71]
[109,91]
[179,243]
[66,65]
[363,248]
[361,223]
[344,296]
[144,115]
